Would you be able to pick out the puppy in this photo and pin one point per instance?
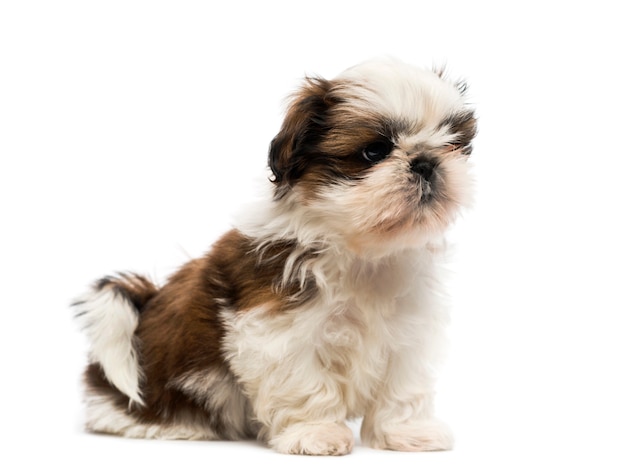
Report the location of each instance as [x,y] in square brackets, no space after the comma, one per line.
[324,305]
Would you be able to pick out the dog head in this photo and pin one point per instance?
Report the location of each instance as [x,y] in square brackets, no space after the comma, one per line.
[377,157]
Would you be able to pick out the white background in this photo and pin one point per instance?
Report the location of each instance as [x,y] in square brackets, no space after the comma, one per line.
[132,132]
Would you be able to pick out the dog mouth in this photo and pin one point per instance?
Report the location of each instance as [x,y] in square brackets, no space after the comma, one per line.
[426,193]
[426,188]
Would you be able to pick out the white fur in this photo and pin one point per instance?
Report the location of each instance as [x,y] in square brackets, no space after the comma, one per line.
[218,392]
[103,416]
[320,439]
[369,342]
[367,345]
[400,91]
[109,321]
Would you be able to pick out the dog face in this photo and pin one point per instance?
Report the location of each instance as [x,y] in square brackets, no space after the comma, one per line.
[378,157]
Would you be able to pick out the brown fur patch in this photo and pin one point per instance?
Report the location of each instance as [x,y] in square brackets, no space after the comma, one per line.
[135,288]
[252,276]
[180,330]
[464,126]
[304,122]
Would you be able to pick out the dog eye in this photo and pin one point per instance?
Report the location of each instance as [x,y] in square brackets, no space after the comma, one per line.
[377,151]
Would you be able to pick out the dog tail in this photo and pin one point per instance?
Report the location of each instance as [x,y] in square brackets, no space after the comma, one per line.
[109,315]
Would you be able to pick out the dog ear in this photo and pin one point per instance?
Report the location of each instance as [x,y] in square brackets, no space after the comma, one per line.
[304,122]
[463,126]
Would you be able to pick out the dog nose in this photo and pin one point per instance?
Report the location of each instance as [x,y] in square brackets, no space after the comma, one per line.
[423,167]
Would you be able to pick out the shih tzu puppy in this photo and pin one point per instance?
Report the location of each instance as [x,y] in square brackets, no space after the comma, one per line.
[324,305]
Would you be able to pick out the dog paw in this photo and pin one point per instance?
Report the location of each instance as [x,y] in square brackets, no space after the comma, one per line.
[423,435]
[327,439]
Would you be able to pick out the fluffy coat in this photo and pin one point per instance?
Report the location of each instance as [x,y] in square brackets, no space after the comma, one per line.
[323,306]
